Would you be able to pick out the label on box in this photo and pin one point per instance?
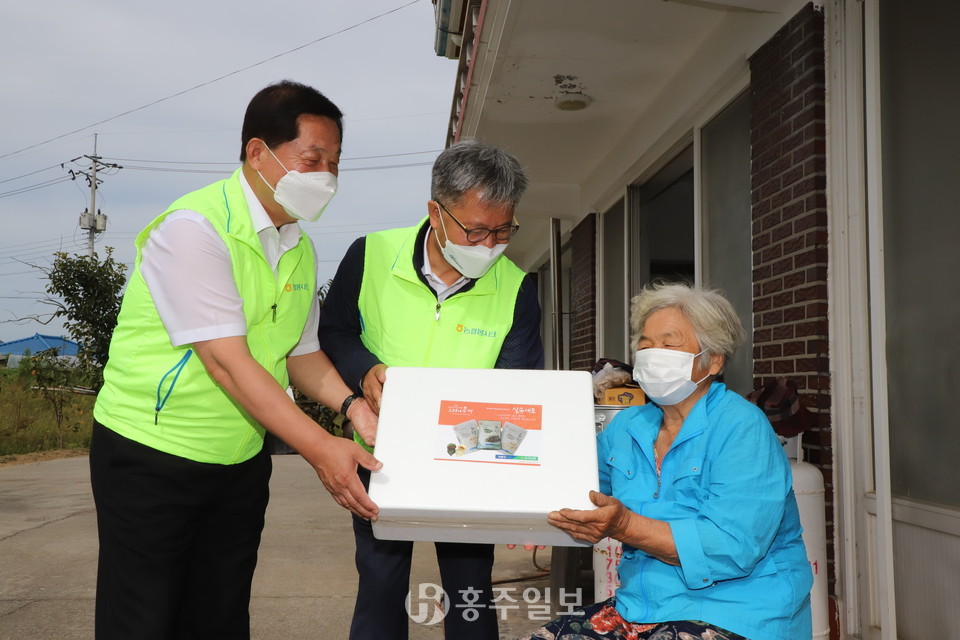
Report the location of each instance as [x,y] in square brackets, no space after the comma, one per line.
[487,432]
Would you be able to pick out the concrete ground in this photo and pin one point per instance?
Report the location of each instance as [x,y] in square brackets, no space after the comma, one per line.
[305,582]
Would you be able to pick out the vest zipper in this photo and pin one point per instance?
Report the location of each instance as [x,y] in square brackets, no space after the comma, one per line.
[178,368]
[438,312]
[274,307]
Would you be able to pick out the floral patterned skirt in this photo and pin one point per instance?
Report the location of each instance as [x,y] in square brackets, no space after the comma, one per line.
[601,621]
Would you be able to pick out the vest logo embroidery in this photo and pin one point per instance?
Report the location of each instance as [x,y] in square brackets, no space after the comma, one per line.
[474,331]
[296,286]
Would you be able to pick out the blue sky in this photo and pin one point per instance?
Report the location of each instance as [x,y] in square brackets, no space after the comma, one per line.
[164,87]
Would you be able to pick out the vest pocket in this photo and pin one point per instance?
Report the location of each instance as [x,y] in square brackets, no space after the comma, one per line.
[175,372]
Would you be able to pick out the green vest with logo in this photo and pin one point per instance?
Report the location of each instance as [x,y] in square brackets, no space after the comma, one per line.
[161,395]
[402,323]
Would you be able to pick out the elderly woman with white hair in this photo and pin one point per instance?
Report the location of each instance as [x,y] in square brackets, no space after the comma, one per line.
[697,488]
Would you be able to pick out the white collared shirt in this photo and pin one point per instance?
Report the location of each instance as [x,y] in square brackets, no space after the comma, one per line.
[443,290]
[189,274]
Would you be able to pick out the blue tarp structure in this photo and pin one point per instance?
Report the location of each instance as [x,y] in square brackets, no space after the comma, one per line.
[38,343]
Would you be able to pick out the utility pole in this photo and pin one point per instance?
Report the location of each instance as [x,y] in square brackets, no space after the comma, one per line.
[91,220]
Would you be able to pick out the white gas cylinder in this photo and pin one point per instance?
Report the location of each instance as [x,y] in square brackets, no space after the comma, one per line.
[606,559]
[808,487]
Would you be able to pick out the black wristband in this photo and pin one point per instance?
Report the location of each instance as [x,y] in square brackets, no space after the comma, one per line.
[347,402]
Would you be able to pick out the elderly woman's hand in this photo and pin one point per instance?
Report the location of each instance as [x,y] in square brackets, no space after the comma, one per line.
[608,520]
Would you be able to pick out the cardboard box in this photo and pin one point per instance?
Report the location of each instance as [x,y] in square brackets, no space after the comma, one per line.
[628,395]
[473,455]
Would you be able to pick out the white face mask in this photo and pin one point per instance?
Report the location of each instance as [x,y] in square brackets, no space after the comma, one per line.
[303,196]
[471,261]
[665,374]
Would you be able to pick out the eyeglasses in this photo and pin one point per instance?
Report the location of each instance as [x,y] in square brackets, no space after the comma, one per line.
[500,234]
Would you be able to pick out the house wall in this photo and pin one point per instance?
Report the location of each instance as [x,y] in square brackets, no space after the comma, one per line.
[789,239]
[789,218]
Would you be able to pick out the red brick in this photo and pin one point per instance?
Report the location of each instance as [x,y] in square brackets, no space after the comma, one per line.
[793,349]
[770,187]
[806,294]
[794,244]
[760,240]
[762,272]
[772,317]
[816,238]
[817,309]
[810,220]
[791,142]
[771,286]
[792,175]
[780,267]
[772,219]
[783,332]
[793,314]
[771,253]
[783,366]
[794,279]
[783,299]
[818,272]
[811,328]
[771,351]
[793,209]
[816,200]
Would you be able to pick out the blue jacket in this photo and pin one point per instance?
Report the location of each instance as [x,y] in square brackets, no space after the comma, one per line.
[727,492]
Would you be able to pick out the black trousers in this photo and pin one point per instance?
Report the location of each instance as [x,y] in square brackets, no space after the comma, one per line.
[178,541]
[384,568]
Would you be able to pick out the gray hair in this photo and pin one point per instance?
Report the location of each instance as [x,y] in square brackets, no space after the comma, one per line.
[715,324]
[494,173]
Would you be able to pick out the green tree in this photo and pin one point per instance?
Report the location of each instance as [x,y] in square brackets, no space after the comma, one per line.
[87,292]
[54,379]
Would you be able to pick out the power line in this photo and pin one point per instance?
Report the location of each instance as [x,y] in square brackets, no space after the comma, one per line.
[342,159]
[23,245]
[228,166]
[31,173]
[214,171]
[41,185]
[388,166]
[133,167]
[40,252]
[209,82]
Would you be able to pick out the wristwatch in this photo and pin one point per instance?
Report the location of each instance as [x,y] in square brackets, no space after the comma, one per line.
[347,402]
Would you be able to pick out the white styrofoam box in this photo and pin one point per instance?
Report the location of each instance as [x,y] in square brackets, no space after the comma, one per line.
[436,486]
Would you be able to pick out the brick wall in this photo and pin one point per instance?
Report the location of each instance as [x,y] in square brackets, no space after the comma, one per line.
[583,294]
[788,155]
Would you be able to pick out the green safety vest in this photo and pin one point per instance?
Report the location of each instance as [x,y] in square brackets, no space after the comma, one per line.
[162,396]
[402,323]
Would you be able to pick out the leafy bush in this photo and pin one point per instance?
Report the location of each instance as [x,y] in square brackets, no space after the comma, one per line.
[34,420]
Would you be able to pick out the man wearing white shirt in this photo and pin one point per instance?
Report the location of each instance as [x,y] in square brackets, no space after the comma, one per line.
[220,314]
